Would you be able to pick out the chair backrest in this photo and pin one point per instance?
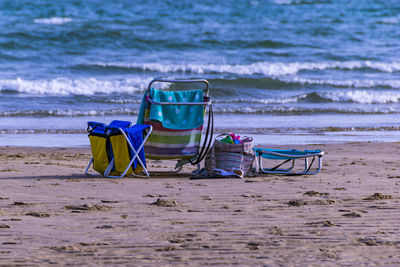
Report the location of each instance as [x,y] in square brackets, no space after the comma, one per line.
[177,118]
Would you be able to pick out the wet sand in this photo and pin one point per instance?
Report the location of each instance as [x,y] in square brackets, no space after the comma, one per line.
[348,214]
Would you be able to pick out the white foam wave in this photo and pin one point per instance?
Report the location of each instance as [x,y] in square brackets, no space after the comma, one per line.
[364,97]
[69,112]
[53,20]
[354,96]
[283,2]
[356,83]
[391,20]
[297,2]
[65,86]
[321,109]
[266,101]
[270,69]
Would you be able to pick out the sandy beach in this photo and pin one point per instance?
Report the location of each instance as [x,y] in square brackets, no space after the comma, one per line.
[297,74]
[348,214]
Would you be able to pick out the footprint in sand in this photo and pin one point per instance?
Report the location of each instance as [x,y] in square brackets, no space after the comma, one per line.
[378,196]
[104,227]
[206,197]
[301,202]
[253,245]
[165,203]
[168,186]
[329,254]
[315,193]
[12,220]
[37,214]
[297,203]
[109,201]
[176,240]
[20,203]
[251,195]
[375,242]
[65,248]
[168,248]
[8,170]
[321,202]
[352,215]
[86,207]
[323,223]
[276,231]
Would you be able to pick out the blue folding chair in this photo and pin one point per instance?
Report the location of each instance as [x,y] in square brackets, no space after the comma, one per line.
[289,157]
[117,148]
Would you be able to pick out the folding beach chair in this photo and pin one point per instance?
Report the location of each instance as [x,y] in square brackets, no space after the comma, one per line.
[288,157]
[117,148]
[177,117]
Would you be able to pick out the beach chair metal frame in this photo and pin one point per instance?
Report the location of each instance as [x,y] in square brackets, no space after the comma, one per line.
[289,156]
[208,138]
[135,155]
[207,90]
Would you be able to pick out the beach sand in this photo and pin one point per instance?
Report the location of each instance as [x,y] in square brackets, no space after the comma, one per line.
[52,214]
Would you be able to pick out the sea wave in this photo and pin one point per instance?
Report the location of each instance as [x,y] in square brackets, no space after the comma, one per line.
[362,97]
[296,105]
[218,109]
[354,96]
[65,86]
[296,110]
[314,130]
[68,112]
[53,20]
[42,131]
[300,2]
[349,83]
[270,69]
[390,20]
[351,91]
[247,130]
[289,83]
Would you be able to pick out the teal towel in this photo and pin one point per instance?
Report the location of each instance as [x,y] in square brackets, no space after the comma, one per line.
[180,117]
[140,118]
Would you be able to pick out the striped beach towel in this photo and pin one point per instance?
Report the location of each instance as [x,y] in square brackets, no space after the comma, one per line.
[167,143]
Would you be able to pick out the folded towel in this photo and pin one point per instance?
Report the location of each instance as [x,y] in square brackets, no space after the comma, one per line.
[180,117]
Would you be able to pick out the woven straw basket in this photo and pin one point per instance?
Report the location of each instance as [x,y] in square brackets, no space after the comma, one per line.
[229,157]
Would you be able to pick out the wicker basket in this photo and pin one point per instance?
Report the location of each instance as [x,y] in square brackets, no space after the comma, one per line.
[229,157]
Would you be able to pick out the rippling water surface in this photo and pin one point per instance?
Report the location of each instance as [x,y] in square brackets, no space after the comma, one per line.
[314,70]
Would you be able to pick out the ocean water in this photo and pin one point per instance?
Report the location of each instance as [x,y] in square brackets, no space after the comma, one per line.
[284,71]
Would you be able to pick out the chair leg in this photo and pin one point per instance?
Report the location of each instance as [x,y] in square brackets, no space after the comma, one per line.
[318,168]
[275,169]
[136,153]
[108,170]
[88,166]
[134,157]
[167,172]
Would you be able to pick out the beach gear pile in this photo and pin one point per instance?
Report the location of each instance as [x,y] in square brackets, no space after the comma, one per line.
[170,126]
